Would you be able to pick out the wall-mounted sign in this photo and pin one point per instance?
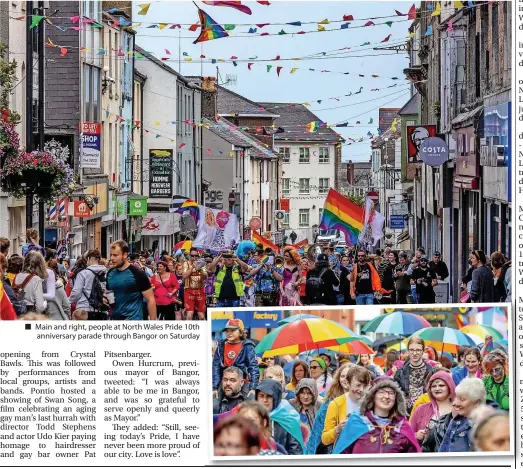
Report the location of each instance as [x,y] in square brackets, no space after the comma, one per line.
[138,206]
[91,140]
[397,222]
[285,204]
[160,174]
[81,210]
[416,135]
[213,198]
[434,151]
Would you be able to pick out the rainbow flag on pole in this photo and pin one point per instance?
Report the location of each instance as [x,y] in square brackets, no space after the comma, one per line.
[258,239]
[341,214]
[210,29]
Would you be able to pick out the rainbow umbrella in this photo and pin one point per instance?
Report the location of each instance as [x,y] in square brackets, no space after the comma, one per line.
[303,335]
[444,338]
[365,340]
[183,246]
[356,347]
[478,333]
[295,317]
[399,323]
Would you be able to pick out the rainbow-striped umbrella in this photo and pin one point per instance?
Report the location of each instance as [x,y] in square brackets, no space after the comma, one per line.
[295,317]
[399,323]
[444,338]
[356,347]
[183,246]
[303,335]
[478,332]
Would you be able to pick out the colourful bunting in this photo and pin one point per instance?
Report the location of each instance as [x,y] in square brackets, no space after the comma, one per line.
[252,30]
[162,25]
[389,23]
[429,30]
[230,4]
[437,11]
[399,13]
[167,52]
[295,23]
[265,3]
[369,23]
[281,33]
[412,12]
[348,18]
[325,21]
[450,26]
[144,8]
[371,121]
[269,68]
[458,4]
[293,70]
[261,25]
[194,27]
[249,65]
[210,30]
[278,70]
[35,21]
[345,26]
[181,145]
[387,38]
[321,28]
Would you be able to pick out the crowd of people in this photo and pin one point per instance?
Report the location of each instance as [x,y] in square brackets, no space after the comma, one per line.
[422,401]
[182,286]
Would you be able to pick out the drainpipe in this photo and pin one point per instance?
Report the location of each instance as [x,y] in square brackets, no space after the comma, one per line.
[194,142]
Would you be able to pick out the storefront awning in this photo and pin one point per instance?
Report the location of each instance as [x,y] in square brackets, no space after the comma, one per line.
[465,182]
[251,319]
[403,236]
[461,120]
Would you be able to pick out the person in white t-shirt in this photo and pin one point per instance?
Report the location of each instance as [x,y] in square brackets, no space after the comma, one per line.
[340,408]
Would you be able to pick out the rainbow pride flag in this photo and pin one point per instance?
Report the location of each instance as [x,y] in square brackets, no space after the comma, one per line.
[258,239]
[210,29]
[341,214]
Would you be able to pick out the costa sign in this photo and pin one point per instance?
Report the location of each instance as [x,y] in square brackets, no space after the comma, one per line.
[434,151]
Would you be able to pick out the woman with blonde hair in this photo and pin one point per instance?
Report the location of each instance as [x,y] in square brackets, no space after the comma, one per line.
[276,373]
[31,281]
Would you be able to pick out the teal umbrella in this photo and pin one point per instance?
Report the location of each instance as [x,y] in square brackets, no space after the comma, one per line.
[295,317]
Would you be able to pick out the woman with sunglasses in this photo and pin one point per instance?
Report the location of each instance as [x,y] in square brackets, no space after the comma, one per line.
[320,373]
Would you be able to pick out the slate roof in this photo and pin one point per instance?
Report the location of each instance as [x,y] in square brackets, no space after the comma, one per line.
[412,106]
[293,118]
[238,138]
[229,103]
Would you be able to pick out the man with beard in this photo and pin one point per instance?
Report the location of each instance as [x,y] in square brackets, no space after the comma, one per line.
[340,408]
[425,279]
[402,281]
[365,280]
[230,393]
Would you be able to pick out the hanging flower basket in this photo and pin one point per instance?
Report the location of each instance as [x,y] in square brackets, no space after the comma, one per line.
[39,173]
[9,140]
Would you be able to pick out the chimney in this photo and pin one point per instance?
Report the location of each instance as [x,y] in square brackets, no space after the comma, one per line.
[209,105]
[350,173]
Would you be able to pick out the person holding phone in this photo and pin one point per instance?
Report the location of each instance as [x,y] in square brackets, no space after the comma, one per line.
[228,286]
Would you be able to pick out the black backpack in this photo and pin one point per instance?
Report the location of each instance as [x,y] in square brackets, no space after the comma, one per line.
[20,305]
[96,297]
[314,284]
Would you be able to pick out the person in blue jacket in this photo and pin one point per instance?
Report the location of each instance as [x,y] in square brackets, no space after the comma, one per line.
[236,351]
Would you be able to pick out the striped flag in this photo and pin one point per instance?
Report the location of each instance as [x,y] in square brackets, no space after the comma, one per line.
[181,205]
[258,239]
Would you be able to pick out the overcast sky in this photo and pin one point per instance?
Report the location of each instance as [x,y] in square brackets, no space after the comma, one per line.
[303,85]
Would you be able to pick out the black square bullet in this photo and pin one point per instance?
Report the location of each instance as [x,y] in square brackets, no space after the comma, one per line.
[28,327]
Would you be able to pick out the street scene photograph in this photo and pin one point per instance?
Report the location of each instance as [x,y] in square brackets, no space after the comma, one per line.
[362,381]
[159,159]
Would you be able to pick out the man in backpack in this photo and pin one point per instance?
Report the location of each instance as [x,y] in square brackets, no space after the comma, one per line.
[364,281]
[321,283]
[267,279]
[82,294]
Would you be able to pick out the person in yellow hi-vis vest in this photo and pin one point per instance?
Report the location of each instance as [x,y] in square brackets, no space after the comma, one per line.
[228,286]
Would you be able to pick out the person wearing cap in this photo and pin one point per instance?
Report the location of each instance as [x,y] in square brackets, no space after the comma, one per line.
[425,280]
[228,286]
[365,281]
[236,350]
[438,266]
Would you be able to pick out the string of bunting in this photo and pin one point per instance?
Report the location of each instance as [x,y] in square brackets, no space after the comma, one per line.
[412,14]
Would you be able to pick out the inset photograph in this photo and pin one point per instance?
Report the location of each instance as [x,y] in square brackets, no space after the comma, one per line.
[364,381]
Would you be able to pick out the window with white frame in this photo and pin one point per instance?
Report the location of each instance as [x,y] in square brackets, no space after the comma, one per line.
[285,221]
[324,155]
[286,186]
[304,186]
[304,216]
[304,155]
[323,186]
[285,153]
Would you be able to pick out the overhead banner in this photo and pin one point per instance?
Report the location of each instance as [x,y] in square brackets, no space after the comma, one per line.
[217,230]
[160,174]
[90,145]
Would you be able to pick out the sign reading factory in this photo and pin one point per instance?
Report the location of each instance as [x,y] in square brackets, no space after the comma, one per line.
[160,174]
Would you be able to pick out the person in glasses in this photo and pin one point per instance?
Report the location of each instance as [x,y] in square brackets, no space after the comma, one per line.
[194,275]
[380,426]
[320,373]
[425,280]
[413,376]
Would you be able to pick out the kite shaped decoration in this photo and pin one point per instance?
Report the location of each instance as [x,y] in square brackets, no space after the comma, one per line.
[210,29]
[231,4]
